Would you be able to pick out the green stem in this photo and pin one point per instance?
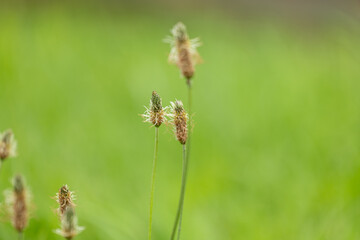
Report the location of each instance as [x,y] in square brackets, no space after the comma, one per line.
[21,236]
[186,156]
[188,149]
[190,122]
[185,166]
[153,179]
[182,195]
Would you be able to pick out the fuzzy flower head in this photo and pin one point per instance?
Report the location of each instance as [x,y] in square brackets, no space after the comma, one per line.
[183,50]
[179,32]
[69,224]
[18,203]
[179,117]
[64,198]
[156,104]
[155,114]
[7,145]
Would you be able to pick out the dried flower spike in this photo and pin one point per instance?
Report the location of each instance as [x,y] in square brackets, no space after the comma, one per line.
[183,50]
[64,198]
[7,145]
[180,121]
[69,224]
[155,113]
[17,204]
[20,217]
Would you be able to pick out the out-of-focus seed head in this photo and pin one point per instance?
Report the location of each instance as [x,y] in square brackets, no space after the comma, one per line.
[180,118]
[20,217]
[69,224]
[64,198]
[17,203]
[183,51]
[7,145]
[155,114]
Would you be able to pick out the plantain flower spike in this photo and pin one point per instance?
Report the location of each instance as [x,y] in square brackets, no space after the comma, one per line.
[155,114]
[17,203]
[64,198]
[183,51]
[7,145]
[180,118]
[69,224]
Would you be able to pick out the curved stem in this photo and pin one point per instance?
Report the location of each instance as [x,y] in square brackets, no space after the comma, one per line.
[182,195]
[153,179]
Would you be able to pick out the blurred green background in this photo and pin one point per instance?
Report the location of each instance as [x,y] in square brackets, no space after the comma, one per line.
[277,121]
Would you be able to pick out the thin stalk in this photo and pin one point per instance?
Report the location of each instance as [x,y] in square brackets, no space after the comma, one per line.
[21,236]
[190,121]
[188,150]
[186,156]
[185,166]
[182,195]
[153,179]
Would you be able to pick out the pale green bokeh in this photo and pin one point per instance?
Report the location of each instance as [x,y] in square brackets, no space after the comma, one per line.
[277,125]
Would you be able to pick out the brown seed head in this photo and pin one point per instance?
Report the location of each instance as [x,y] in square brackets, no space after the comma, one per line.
[183,48]
[7,145]
[180,121]
[183,52]
[64,198]
[155,114]
[20,208]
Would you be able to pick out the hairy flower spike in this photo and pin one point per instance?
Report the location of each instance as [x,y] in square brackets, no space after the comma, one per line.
[155,114]
[7,145]
[180,121]
[155,102]
[20,217]
[64,198]
[17,203]
[183,51]
[69,224]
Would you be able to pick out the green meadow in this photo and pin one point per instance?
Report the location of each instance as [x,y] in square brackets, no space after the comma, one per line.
[276,137]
